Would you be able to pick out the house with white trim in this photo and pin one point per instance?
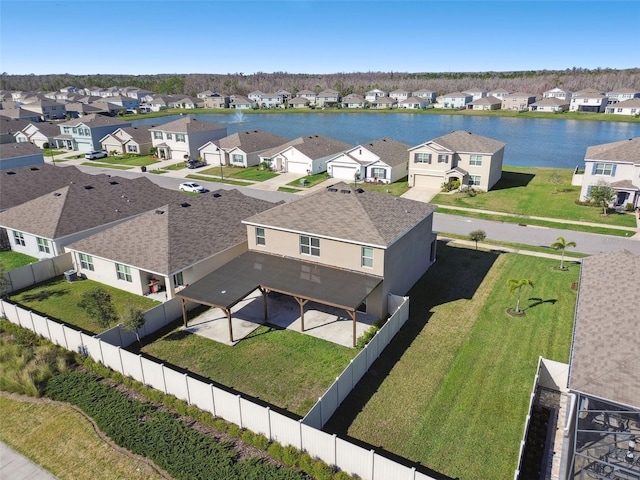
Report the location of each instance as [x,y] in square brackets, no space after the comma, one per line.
[180,139]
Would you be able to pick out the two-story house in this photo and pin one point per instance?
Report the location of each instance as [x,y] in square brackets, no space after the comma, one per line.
[477,93]
[455,100]
[84,134]
[216,101]
[328,98]
[308,95]
[39,133]
[588,100]
[241,149]
[518,101]
[473,160]
[374,94]
[47,109]
[181,138]
[305,155]
[622,94]
[498,93]
[616,164]
[430,95]
[400,94]
[558,93]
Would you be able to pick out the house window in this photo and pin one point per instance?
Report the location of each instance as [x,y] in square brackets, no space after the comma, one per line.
[260,237]
[132,148]
[157,135]
[604,169]
[178,281]
[367,257]
[474,180]
[123,272]
[475,160]
[169,136]
[180,137]
[237,158]
[309,246]
[18,237]
[379,172]
[422,158]
[86,262]
[43,245]
[443,158]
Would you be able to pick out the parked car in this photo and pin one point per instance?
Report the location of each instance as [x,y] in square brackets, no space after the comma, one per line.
[196,163]
[95,154]
[192,187]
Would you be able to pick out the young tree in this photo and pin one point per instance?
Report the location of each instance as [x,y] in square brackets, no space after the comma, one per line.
[515,288]
[556,180]
[133,321]
[602,194]
[97,303]
[562,244]
[477,236]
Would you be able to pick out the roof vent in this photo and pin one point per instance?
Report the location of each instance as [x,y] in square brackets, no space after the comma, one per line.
[331,189]
[359,190]
[88,187]
[113,182]
[217,195]
[158,212]
[34,169]
[11,173]
[57,194]
[185,204]
[345,191]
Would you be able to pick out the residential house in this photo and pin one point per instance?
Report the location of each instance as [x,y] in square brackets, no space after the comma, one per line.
[39,133]
[137,93]
[328,98]
[625,107]
[558,93]
[270,100]
[9,127]
[373,95]
[485,103]
[129,104]
[381,161]
[304,155]
[216,101]
[518,101]
[241,103]
[353,233]
[430,95]
[256,96]
[413,103]
[603,413]
[128,140]
[588,100]
[79,109]
[400,94]
[622,94]
[84,134]
[309,95]
[473,160]
[206,94]
[21,114]
[46,109]
[284,95]
[455,100]
[477,93]
[180,139]
[156,104]
[550,104]
[241,149]
[299,102]
[14,155]
[498,93]
[353,100]
[105,107]
[616,164]
[384,103]
[174,252]
[43,226]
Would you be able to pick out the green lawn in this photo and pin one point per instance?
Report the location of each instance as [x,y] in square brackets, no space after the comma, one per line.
[10,259]
[285,368]
[309,180]
[47,152]
[396,189]
[452,389]
[288,189]
[59,299]
[529,192]
[106,165]
[254,174]
[205,178]
[129,160]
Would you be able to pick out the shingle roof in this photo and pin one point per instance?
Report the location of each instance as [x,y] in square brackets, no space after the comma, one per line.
[252,141]
[551,101]
[629,103]
[21,149]
[348,214]
[313,146]
[490,100]
[175,235]
[462,141]
[605,360]
[622,151]
[77,207]
[457,95]
[140,134]
[188,125]
[390,151]
[48,129]
[95,120]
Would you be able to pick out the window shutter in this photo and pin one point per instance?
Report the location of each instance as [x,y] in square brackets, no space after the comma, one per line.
[613,170]
[593,168]
[589,191]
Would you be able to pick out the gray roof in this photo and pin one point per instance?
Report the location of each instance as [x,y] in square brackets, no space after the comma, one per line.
[349,214]
[22,149]
[457,95]
[140,134]
[252,141]
[490,100]
[551,102]
[76,207]
[12,125]
[629,103]
[48,129]
[313,146]
[622,151]
[604,359]
[179,234]
[462,141]
[96,120]
[390,151]
[188,125]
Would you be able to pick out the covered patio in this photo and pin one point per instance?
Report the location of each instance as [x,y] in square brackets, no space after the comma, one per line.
[316,289]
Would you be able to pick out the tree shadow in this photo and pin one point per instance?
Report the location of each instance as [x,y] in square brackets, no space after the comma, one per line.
[539,301]
[513,180]
[43,295]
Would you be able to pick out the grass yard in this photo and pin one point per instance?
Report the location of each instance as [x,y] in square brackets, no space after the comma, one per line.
[10,259]
[452,389]
[63,441]
[288,190]
[396,189]
[131,161]
[59,299]
[309,180]
[204,178]
[285,368]
[106,165]
[529,192]
[47,152]
[253,174]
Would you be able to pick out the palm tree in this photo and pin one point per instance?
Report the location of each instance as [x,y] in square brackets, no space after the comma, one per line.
[515,288]
[562,244]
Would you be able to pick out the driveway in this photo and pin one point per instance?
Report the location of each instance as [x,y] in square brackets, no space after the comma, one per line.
[421,194]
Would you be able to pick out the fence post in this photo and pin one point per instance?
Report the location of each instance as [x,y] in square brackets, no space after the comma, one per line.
[269,422]
[141,369]
[164,380]
[240,410]
[101,354]
[33,325]
[213,399]
[300,434]
[120,357]
[64,334]
[335,449]
[373,457]
[186,384]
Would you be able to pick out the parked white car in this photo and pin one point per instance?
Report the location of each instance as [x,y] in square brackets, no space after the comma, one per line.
[95,154]
[192,187]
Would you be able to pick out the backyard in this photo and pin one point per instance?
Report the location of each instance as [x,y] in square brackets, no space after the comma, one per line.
[10,260]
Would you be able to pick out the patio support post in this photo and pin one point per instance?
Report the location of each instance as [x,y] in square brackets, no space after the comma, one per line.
[184,312]
[228,312]
[352,314]
[264,292]
[302,302]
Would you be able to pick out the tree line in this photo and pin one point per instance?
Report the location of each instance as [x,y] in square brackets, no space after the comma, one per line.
[531,81]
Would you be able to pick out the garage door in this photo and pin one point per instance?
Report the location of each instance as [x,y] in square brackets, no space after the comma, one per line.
[428,181]
[294,167]
[211,158]
[344,173]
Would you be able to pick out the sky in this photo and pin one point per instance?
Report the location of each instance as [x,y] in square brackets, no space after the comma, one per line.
[315,37]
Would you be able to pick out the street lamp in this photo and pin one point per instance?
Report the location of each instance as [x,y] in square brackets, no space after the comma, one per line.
[356,177]
[53,160]
[221,170]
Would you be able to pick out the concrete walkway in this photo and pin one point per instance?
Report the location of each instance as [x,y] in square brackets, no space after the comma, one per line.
[14,466]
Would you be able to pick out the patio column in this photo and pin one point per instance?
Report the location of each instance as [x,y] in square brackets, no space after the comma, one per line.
[302,302]
[264,292]
[352,314]
[228,312]
[184,312]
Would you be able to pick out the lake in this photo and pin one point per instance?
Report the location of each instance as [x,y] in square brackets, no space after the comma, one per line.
[530,142]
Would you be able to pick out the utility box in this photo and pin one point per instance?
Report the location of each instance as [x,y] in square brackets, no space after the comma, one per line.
[71,275]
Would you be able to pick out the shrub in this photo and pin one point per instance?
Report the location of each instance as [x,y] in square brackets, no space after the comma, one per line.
[322,471]
[306,463]
[342,476]
[234,430]
[276,450]
[628,207]
[291,456]
[367,336]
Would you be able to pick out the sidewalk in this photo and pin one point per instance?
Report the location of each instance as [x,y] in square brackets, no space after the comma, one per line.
[14,466]
[500,248]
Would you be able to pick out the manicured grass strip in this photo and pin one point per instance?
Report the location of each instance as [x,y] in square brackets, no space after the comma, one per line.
[10,259]
[255,174]
[158,172]
[46,152]
[289,190]
[261,365]
[310,180]
[531,192]
[59,299]
[396,189]
[175,166]
[133,161]
[63,441]
[218,180]
[539,223]
[106,165]
[452,389]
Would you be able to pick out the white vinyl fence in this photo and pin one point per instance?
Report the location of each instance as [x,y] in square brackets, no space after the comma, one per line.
[37,272]
[367,464]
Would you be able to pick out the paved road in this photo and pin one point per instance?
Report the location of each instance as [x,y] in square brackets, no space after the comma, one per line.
[589,243]
[14,466]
